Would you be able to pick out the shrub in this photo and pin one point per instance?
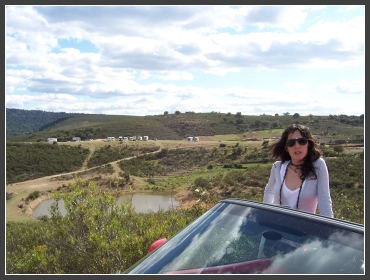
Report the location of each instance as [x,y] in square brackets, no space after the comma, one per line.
[97,236]
[33,195]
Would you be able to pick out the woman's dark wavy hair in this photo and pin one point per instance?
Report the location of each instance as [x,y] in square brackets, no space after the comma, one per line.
[278,149]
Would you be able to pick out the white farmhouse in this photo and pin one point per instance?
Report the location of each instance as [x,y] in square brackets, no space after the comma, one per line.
[51,140]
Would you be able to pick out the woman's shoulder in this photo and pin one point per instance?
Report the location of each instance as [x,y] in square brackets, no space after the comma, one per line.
[320,161]
[277,164]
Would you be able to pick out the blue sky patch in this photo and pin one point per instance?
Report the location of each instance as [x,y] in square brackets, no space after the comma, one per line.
[84,46]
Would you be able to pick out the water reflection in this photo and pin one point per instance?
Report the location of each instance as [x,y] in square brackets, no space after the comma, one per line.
[142,203]
[43,208]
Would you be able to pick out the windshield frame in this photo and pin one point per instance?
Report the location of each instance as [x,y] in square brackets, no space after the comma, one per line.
[315,225]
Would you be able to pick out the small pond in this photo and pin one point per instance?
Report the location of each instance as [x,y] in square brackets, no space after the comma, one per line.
[142,203]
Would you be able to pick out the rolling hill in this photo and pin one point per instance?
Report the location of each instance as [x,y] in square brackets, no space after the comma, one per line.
[36,126]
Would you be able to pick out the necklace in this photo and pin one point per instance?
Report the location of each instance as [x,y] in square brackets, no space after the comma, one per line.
[294,169]
[282,183]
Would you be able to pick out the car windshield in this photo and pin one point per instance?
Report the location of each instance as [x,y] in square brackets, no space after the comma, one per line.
[234,239]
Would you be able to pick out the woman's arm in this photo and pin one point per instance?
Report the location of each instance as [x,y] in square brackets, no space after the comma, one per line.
[323,189]
[268,196]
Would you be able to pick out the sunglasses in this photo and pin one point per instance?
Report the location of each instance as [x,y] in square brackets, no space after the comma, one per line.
[301,141]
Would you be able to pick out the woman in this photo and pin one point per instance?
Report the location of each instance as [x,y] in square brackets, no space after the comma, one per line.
[300,179]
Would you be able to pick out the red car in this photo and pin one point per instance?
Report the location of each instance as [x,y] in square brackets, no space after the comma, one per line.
[244,237]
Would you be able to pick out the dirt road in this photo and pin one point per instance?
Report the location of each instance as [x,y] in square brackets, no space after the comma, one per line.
[18,210]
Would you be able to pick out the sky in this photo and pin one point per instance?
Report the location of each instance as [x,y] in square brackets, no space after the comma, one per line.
[150,59]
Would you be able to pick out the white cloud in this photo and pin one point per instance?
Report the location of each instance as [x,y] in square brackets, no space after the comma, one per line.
[151,59]
[168,76]
[294,86]
[344,87]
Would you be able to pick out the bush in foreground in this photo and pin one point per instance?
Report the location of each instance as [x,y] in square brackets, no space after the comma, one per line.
[97,236]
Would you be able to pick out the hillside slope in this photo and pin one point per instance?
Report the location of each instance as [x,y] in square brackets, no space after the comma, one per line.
[173,126]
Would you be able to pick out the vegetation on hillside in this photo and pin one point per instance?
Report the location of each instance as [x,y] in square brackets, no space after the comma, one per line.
[224,171]
[180,125]
[20,122]
[109,153]
[30,161]
[92,240]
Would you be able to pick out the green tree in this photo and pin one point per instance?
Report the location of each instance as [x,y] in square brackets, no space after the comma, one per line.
[257,123]
[338,149]
[239,121]
[92,233]
[276,124]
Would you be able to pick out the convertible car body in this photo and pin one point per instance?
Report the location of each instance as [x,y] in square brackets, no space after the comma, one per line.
[245,237]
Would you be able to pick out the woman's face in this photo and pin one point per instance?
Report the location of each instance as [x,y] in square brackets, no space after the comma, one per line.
[297,152]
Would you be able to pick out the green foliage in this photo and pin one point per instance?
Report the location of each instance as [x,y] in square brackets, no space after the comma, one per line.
[178,126]
[329,152]
[168,162]
[346,172]
[347,187]
[108,153]
[233,165]
[202,183]
[141,167]
[33,195]
[30,161]
[25,248]
[338,148]
[97,236]
[21,122]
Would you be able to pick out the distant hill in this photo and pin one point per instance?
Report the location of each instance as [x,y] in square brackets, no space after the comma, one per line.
[20,122]
[36,126]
